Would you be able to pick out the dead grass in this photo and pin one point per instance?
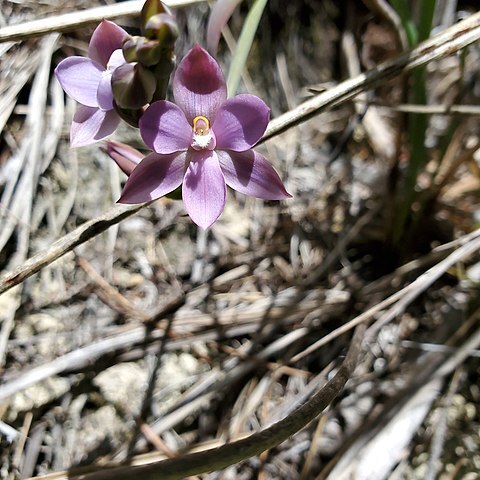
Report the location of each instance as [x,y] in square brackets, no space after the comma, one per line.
[153,339]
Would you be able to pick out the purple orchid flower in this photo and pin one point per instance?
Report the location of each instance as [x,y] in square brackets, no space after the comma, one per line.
[88,81]
[205,141]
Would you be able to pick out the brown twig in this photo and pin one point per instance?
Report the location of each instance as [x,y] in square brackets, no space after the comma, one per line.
[155,439]
[109,294]
[234,452]
[66,244]
[446,43]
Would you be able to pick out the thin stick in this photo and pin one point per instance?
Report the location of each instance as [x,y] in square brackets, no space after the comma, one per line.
[234,452]
[427,109]
[400,299]
[446,43]
[109,294]
[67,243]
[77,19]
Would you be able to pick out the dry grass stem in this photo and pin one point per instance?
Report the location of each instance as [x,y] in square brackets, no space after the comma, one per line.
[134,345]
[78,19]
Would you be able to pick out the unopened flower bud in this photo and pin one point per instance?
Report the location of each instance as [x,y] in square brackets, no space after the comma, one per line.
[162,27]
[129,48]
[149,52]
[125,156]
[133,86]
[149,9]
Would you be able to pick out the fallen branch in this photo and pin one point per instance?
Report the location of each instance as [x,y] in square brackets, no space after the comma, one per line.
[66,244]
[233,452]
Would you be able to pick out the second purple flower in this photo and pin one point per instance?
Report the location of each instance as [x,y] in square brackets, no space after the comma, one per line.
[88,81]
[205,142]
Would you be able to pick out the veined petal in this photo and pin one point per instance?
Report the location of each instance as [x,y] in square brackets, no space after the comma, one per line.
[199,85]
[240,122]
[251,174]
[203,189]
[80,77]
[164,128]
[106,38]
[104,92]
[91,124]
[155,176]
[125,156]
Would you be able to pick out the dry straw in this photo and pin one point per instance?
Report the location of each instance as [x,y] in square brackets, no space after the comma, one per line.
[449,42]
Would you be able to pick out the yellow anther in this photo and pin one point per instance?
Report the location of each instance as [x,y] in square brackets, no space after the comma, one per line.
[201,125]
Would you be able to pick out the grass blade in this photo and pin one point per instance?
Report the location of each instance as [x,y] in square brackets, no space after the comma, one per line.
[244,45]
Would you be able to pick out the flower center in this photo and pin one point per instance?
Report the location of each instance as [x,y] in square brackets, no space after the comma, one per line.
[202,136]
[201,125]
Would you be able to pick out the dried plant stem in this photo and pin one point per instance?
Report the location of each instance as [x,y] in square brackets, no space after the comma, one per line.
[447,43]
[67,243]
[234,452]
[400,300]
[429,109]
[76,19]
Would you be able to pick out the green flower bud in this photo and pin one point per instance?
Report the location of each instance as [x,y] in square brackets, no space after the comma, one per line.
[148,52]
[149,9]
[162,27]
[129,48]
[133,85]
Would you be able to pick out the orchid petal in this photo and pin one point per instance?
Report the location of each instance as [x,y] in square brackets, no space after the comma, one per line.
[80,77]
[155,176]
[106,38]
[251,174]
[240,122]
[116,60]
[125,156]
[204,188]
[104,92]
[164,128]
[91,124]
[199,85]
[222,10]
